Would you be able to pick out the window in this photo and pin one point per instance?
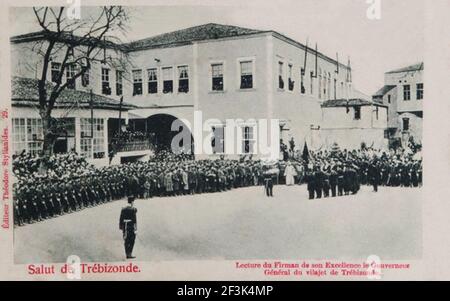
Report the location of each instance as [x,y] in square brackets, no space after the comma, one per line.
[218,139]
[106,89]
[35,135]
[152,80]
[119,82]
[137,82]
[280,75]
[92,147]
[389,99]
[405,124]
[19,135]
[27,134]
[99,140]
[335,88]
[85,141]
[246,74]
[248,140]
[320,84]
[419,91]
[329,86]
[357,115]
[55,69]
[183,79]
[167,74]
[302,81]
[406,92]
[85,78]
[70,74]
[217,77]
[290,81]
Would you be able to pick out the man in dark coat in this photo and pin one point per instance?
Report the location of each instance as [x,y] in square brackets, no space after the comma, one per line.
[333,181]
[340,181]
[128,226]
[318,182]
[309,178]
[374,175]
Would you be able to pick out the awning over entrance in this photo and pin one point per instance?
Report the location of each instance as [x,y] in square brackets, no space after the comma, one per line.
[180,111]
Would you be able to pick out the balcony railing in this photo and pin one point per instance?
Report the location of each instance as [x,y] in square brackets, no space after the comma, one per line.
[130,146]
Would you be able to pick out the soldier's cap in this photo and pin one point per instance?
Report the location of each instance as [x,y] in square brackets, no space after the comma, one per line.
[130,199]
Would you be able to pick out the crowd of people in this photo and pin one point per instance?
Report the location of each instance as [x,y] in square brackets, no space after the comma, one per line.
[336,173]
[49,187]
[131,136]
[73,184]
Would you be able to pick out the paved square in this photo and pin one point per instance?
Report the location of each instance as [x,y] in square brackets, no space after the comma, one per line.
[239,224]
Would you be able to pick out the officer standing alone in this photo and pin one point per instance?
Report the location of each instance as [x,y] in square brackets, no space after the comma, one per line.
[268,183]
[128,225]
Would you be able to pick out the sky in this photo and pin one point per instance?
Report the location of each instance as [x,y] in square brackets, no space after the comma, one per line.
[374,46]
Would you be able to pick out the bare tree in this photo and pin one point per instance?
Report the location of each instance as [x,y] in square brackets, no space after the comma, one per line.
[78,43]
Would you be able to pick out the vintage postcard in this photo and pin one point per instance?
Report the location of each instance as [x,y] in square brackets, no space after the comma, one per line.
[201,140]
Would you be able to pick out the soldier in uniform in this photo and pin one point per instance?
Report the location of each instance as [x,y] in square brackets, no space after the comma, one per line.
[326,183]
[49,200]
[333,181]
[160,180]
[354,180]
[309,178]
[347,179]
[168,184]
[176,180]
[318,182]
[232,176]
[63,197]
[77,193]
[57,209]
[201,180]
[24,211]
[374,175]
[70,193]
[268,182]
[414,176]
[340,181]
[17,217]
[128,226]
[85,194]
[192,178]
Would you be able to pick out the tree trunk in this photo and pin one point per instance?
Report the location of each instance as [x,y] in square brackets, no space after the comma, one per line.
[49,137]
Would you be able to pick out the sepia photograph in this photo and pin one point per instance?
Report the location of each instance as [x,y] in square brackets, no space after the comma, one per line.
[288,130]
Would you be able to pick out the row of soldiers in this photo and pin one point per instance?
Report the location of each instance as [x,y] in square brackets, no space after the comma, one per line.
[333,181]
[47,198]
[38,197]
[149,179]
[342,173]
[41,197]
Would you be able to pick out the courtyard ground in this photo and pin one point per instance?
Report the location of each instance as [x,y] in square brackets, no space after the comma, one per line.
[239,224]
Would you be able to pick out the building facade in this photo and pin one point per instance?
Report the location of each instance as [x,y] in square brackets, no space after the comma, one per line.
[224,72]
[354,123]
[235,73]
[403,94]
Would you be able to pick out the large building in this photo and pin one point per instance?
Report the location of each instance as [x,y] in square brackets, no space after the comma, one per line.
[224,72]
[403,94]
